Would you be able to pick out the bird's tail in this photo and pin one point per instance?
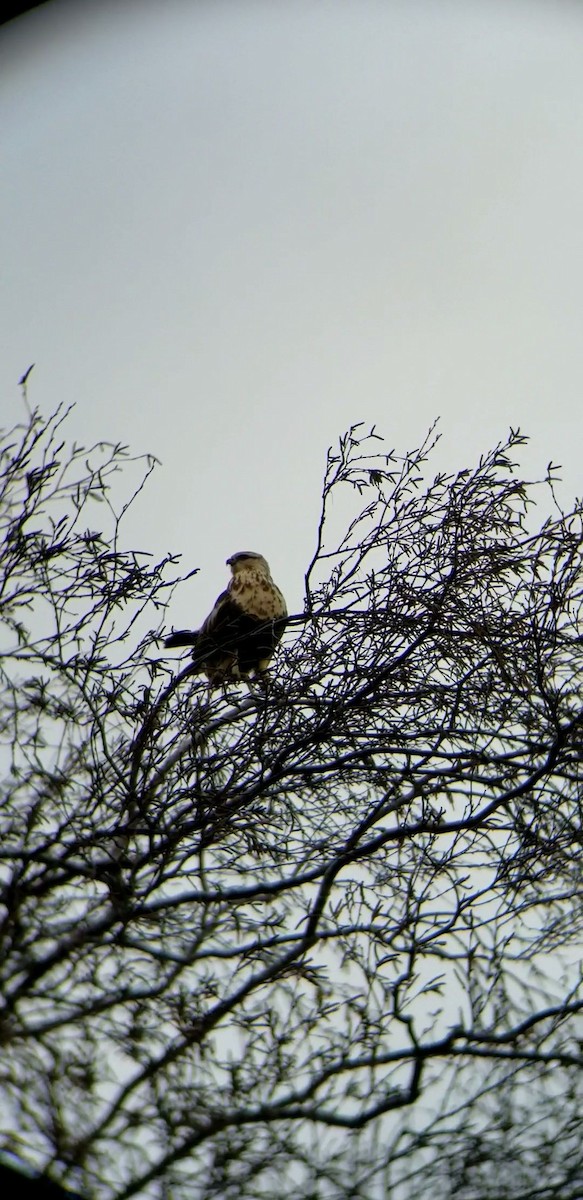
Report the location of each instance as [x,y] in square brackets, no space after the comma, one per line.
[182,637]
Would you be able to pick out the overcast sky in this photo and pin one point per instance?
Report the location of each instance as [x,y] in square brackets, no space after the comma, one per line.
[231,229]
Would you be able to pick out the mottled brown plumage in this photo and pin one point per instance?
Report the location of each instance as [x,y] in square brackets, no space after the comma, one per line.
[239,636]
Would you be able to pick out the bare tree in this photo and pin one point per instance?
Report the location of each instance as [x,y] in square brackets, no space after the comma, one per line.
[314,940]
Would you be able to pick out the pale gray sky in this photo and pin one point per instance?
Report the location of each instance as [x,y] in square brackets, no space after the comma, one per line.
[230,229]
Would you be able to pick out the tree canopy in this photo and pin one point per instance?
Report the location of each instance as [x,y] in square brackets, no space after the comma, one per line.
[316,938]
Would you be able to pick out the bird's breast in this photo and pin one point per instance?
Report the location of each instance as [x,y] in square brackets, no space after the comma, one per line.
[258,598]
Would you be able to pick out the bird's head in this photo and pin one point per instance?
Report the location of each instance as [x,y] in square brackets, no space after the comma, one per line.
[245,560]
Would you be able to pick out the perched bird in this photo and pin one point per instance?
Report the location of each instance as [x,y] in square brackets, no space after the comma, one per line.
[241,633]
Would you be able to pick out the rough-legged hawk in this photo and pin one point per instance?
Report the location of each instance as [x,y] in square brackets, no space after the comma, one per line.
[239,636]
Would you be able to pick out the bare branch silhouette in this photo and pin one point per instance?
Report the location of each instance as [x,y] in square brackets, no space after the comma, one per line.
[318,937]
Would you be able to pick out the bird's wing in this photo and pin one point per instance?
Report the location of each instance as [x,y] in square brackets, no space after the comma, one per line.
[220,613]
[221,628]
[218,626]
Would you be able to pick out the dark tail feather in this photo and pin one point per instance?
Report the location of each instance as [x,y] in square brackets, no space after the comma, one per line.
[182,637]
